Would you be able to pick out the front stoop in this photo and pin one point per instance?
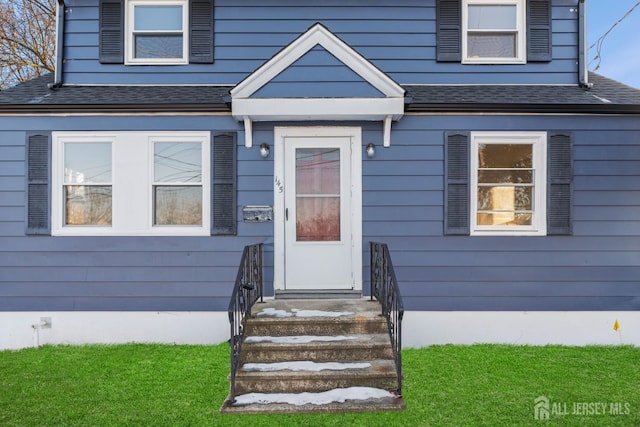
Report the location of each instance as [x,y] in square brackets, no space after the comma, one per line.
[359,336]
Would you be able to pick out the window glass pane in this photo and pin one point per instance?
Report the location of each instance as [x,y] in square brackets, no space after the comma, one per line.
[505,198]
[154,46]
[505,155]
[87,163]
[87,205]
[499,204]
[318,194]
[515,176]
[317,171]
[177,205]
[177,162]
[317,219]
[505,219]
[487,45]
[158,18]
[492,17]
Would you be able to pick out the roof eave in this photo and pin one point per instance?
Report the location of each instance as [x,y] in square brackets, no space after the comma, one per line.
[524,108]
[124,108]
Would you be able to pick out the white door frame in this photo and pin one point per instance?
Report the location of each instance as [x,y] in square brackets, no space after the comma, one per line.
[280,134]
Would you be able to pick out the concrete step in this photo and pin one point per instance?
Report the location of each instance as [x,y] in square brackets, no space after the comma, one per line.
[287,339]
[379,404]
[316,348]
[316,317]
[380,374]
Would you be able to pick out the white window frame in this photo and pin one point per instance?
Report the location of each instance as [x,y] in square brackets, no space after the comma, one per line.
[538,140]
[521,32]
[130,39]
[132,184]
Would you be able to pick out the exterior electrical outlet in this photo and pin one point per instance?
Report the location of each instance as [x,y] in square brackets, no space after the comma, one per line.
[45,323]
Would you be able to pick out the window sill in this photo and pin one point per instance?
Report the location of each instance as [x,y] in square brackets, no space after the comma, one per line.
[103,232]
[514,233]
[494,61]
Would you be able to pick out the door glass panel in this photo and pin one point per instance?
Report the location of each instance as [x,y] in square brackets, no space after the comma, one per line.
[317,194]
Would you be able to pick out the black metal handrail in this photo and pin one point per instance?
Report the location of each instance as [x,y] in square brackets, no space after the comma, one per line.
[384,287]
[247,290]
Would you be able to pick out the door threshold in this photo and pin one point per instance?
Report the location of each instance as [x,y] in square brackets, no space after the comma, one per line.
[318,294]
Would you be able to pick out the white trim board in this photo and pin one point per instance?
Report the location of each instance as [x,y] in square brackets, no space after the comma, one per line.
[316,35]
[386,108]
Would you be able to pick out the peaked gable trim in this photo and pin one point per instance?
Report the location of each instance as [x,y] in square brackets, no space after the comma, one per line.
[318,34]
[387,108]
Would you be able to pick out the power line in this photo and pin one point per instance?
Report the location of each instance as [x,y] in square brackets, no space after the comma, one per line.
[600,41]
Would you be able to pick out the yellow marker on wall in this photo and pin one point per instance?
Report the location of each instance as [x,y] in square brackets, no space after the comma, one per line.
[616,325]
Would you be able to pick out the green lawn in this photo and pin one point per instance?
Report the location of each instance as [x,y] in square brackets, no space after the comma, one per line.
[444,386]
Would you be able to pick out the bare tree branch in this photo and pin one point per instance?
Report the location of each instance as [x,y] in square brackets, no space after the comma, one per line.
[27,40]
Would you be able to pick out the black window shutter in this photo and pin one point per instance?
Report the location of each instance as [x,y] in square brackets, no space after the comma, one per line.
[223,186]
[539,30]
[448,30]
[112,31]
[456,193]
[560,184]
[201,31]
[38,172]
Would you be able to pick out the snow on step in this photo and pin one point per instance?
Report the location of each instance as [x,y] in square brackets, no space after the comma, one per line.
[304,366]
[338,395]
[273,312]
[301,339]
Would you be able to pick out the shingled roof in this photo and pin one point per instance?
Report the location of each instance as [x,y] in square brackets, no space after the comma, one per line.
[606,96]
[35,96]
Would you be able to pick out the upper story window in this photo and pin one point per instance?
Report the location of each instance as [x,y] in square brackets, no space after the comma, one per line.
[493,31]
[508,183]
[157,32]
[146,32]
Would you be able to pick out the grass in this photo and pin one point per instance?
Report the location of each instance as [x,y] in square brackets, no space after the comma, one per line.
[160,385]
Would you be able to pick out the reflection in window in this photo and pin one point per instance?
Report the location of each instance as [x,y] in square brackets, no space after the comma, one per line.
[177,187]
[317,194]
[87,184]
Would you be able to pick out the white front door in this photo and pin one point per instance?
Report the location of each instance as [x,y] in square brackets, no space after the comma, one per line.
[320,209]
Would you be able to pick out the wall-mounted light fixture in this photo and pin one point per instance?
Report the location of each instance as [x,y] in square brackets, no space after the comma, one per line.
[264,150]
[371,150]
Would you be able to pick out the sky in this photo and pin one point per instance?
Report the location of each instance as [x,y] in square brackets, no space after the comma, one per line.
[620,58]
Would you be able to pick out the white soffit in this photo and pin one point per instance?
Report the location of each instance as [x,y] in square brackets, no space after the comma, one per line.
[244,108]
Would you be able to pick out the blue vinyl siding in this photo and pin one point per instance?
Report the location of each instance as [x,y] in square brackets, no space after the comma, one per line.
[594,269]
[307,78]
[118,273]
[398,37]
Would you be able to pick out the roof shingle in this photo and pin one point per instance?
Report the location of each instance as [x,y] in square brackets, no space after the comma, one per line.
[606,96]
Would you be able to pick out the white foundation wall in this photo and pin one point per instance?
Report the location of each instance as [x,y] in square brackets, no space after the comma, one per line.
[576,328]
[25,329]
[420,329]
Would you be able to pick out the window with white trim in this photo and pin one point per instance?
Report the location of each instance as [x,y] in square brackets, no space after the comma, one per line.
[156,32]
[508,183]
[493,31]
[131,183]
